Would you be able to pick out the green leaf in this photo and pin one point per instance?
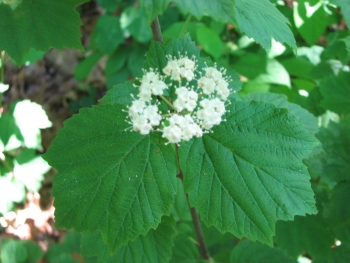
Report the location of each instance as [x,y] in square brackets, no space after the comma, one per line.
[10,191]
[185,250]
[107,35]
[155,246]
[210,41]
[60,252]
[40,25]
[308,120]
[336,93]
[310,19]
[110,5]
[336,143]
[121,94]
[153,8]
[30,118]
[262,21]
[12,251]
[116,61]
[180,211]
[261,69]
[221,10]
[135,21]
[308,234]
[255,252]
[248,173]
[30,169]
[345,9]
[337,210]
[3,87]
[84,67]
[109,179]
[156,56]
[34,252]
[10,135]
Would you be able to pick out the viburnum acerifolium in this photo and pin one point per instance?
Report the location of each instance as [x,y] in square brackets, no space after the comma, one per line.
[199,105]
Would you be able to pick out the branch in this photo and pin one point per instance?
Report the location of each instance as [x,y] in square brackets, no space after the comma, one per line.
[156,31]
[197,224]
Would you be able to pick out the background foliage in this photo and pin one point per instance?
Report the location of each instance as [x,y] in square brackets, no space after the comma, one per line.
[308,75]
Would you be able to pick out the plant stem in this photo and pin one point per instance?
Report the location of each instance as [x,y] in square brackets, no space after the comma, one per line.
[195,218]
[157,35]
[2,64]
[156,31]
[197,226]
[168,102]
[183,31]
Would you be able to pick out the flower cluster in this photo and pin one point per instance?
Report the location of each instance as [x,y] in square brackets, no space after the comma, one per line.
[198,106]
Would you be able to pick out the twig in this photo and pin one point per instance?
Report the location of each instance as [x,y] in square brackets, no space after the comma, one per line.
[197,225]
[156,31]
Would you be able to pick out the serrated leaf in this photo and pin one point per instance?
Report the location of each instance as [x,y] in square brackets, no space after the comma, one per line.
[255,252]
[112,180]
[185,250]
[345,9]
[280,101]
[155,246]
[156,56]
[309,234]
[121,94]
[52,20]
[262,21]
[248,173]
[310,19]
[336,143]
[153,7]
[221,10]
[336,92]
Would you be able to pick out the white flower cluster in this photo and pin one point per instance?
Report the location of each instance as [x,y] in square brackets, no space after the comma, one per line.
[199,104]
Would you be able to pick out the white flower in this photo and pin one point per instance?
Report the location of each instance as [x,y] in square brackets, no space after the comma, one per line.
[210,113]
[136,108]
[151,83]
[186,99]
[180,68]
[207,85]
[173,133]
[213,73]
[199,103]
[140,123]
